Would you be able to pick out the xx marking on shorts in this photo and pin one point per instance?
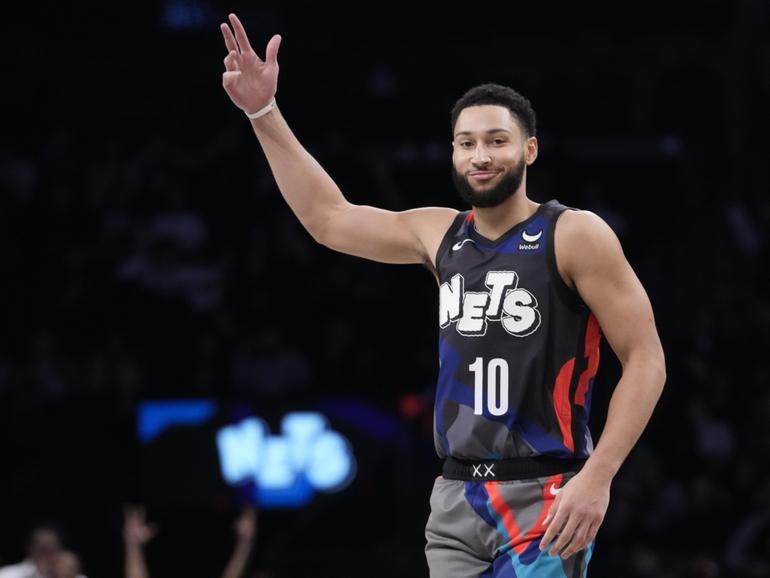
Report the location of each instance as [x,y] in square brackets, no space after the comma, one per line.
[488,472]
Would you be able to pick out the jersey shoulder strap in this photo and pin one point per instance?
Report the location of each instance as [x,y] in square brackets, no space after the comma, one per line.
[456,231]
[553,210]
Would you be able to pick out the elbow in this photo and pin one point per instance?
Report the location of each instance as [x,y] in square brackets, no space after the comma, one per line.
[318,230]
[657,365]
[661,370]
[650,363]
[320,227]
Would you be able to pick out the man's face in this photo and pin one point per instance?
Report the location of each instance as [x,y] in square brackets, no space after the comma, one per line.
[490,155]
[44,547]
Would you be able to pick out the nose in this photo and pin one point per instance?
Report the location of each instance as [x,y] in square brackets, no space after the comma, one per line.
[480,155]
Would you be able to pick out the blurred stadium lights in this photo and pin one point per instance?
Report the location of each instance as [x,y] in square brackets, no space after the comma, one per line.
[187,15]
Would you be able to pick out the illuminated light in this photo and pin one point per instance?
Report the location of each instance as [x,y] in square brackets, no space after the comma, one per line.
[302,429]
[155,417]
[286,469]
[278,472]
[332,466]
[241,450]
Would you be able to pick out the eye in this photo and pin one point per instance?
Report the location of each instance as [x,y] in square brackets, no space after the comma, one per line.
[465,144]
[499,141]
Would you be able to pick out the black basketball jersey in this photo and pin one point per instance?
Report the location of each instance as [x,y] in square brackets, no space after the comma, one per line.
[518,348]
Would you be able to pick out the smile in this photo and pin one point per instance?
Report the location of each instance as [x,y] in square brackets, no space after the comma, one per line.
[484,175]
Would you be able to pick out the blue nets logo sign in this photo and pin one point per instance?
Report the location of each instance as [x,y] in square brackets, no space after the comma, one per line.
[286,469]
[282,470]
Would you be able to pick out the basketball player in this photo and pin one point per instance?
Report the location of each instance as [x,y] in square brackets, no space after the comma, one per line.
[522,306]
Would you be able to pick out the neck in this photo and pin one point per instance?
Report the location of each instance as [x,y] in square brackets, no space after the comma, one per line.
[491,222]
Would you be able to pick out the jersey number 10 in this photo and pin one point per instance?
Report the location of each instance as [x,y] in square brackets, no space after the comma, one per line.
[497,367]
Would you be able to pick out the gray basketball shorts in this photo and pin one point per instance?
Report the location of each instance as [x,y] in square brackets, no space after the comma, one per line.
[493,529]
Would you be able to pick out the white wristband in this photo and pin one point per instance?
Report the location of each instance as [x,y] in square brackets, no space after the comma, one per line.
[270,106]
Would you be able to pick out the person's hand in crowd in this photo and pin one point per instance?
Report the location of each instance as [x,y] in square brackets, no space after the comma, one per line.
[246,525]
[136,530]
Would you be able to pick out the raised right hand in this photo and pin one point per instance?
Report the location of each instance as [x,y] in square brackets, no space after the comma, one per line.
[136,530]
[246,525]
[249,82]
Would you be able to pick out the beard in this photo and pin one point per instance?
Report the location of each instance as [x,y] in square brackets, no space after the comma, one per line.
[508,184]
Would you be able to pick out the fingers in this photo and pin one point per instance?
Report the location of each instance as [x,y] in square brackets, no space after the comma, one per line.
[552,510]
[565,536]
[230,43]
[578,541]
[231,61]
[592,531]
[555,524]
[229,78]
[272,49]
[240,34]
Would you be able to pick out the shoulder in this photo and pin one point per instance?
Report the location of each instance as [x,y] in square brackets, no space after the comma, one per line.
[580,225]
[430,225]
[584,241]
[427,219]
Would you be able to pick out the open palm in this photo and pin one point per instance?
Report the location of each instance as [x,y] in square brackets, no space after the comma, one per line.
[250,82]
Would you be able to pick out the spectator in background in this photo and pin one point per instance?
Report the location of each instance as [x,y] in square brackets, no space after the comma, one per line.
[46,558]
[136,533]
[246,532]
[67,565]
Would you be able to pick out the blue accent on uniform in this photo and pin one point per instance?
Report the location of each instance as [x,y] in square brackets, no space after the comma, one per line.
[589,553]
[580,425]
[511,244]
[157,416]
[450,389]
[541,441]
[501,567]
[589,394]
[543,566]
[530,553]
[477,496]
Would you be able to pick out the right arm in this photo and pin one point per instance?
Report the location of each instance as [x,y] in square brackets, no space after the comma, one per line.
[136,533]
[245,531]
[411,236]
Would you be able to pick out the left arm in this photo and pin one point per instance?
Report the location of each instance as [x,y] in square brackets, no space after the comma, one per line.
[590,258]
[245,531]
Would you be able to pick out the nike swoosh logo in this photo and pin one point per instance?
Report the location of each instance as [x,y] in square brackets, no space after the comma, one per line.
[531,238]
[553,491]
[460,244]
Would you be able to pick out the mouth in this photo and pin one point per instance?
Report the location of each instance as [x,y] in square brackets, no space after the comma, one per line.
[484,175]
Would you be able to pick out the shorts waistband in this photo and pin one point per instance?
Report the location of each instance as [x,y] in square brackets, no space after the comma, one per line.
[510,469]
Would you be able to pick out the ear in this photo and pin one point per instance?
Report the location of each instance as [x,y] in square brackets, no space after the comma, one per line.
[531,153]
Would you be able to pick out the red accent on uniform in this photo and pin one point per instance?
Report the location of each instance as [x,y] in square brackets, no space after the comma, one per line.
[518,542]
[506,515]
[470,216]
[562,405]
[538,529]
[593,335]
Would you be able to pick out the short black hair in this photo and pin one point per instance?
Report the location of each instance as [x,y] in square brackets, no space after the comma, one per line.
[491,93]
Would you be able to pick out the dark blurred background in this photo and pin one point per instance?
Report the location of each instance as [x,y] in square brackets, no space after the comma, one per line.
[146,253]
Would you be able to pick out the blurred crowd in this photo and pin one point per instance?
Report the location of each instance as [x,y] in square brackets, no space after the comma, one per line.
[48,558]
